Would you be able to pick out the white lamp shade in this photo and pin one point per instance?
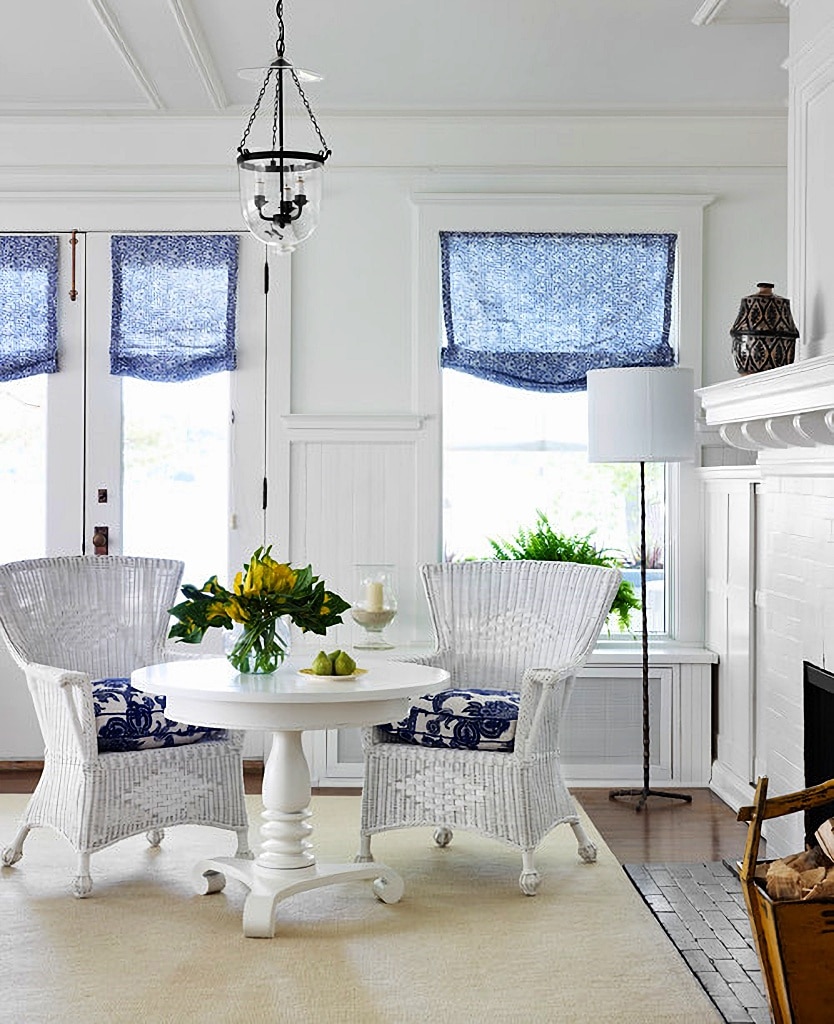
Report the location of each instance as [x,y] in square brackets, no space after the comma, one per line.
[641,414]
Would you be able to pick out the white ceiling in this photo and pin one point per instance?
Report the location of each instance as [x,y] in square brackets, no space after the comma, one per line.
[164,57]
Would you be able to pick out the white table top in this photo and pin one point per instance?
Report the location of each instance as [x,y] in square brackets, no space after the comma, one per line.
[210,692]
[215,678]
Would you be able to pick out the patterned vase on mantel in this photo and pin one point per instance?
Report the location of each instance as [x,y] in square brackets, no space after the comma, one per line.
[764,334]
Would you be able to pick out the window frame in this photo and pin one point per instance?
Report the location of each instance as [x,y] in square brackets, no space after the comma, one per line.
[621,212]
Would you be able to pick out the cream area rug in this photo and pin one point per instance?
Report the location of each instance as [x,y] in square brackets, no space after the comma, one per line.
[464,945]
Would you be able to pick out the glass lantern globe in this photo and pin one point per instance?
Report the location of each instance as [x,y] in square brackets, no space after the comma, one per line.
[280,195]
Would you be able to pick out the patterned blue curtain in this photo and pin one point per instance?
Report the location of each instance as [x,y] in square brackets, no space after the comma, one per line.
[174,302]
[28,305]
[538,310]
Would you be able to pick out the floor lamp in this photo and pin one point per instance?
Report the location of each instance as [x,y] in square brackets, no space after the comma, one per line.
[642,414]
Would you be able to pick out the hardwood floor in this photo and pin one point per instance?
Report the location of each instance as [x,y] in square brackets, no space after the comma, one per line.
[666,830]
[705,830]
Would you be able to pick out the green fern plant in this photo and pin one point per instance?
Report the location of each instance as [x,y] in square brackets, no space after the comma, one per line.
[542,543]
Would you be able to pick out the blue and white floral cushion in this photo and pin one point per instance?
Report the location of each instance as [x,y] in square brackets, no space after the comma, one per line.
[460,719]
[130,719]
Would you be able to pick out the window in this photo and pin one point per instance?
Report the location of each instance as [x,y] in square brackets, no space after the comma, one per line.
[568,211]
[526,315]
[508,453]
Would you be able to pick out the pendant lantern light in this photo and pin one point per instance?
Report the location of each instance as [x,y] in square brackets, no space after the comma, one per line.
[280,188]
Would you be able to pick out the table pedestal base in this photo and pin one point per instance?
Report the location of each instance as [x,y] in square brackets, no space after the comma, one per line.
[268,886]
[285,863]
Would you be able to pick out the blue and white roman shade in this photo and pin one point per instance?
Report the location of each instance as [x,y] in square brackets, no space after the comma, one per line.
[538,310]
[174,305]
[28,305]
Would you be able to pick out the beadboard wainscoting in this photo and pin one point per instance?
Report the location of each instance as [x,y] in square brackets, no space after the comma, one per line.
[731,494]
[353,490]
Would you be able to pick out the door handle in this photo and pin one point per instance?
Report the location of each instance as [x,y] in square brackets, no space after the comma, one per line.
[100,538]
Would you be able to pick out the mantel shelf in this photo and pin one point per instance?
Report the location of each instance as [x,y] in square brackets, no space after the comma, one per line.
[789,407]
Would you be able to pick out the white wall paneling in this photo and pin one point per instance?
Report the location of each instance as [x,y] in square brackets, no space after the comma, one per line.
[602,743]
[355,496]
[730,537]
[810,170]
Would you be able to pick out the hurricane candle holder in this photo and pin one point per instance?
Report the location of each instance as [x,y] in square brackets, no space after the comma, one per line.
[374,605]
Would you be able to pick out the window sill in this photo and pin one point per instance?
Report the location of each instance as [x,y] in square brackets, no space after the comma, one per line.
[661,652]
[607,652]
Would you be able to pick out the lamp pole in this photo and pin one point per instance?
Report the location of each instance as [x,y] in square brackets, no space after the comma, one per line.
[644,793]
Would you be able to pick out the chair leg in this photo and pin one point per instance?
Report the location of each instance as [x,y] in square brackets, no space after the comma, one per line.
[243,851]
[364,856]
[443,835]
[12,854]
[82,884]
[587,849]
[529,878]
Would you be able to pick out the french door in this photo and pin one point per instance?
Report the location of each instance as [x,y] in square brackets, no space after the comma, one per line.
[95,462]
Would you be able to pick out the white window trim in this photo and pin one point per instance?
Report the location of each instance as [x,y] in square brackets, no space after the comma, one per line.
[681,214]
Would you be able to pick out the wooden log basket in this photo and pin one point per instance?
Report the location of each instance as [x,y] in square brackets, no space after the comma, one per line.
[794,938]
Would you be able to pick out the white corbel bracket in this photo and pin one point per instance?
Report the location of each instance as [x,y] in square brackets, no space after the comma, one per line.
[802,430]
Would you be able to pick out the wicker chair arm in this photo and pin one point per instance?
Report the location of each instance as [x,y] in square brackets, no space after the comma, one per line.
[64,702]
[550,677]
[545,693]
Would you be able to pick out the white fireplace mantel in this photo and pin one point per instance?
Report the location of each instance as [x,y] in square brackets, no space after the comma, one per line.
[790,407]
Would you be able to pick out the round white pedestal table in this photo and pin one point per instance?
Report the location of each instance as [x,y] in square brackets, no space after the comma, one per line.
[210,692]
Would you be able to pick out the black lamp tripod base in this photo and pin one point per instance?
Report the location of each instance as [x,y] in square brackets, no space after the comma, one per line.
[646,791]
[644,795]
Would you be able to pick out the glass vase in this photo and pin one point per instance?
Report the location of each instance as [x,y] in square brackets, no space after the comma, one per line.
[374,605]
[260,647]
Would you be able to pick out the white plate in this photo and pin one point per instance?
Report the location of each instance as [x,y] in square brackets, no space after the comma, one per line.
[310,674]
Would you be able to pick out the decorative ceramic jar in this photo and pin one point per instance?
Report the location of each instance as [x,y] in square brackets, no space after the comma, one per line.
[764,334]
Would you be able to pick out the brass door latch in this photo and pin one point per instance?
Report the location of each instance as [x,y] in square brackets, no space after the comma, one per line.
[100,540]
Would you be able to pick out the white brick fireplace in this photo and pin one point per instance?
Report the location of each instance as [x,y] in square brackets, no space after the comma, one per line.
[786,417]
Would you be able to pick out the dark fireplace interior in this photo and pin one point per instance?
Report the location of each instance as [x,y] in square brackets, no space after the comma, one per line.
[819,740]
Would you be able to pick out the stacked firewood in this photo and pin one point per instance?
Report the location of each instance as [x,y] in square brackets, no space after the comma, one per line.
[804,876]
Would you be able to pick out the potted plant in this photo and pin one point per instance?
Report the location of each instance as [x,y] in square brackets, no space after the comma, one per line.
[543,543]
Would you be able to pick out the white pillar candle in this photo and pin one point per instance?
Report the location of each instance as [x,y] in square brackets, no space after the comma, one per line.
[373,597]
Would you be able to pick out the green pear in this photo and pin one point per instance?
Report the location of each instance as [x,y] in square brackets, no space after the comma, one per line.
[344,664]
[333,656]
[322,665]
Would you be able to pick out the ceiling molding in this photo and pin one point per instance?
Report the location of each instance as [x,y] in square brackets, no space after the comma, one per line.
[198,51]
[707,12]
[111,26]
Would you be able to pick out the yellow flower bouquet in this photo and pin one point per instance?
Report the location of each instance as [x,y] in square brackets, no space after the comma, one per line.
[264,594]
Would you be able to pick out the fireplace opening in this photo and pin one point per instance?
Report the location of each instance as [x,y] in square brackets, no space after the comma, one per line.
[818,686]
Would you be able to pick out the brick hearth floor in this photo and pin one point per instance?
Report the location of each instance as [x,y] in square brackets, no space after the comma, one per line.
[701,908]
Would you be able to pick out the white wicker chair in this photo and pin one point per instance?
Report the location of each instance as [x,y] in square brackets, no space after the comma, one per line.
[506,625]
[73,619]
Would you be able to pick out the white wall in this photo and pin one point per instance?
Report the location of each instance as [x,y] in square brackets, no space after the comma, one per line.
[811,166]
[352,355]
